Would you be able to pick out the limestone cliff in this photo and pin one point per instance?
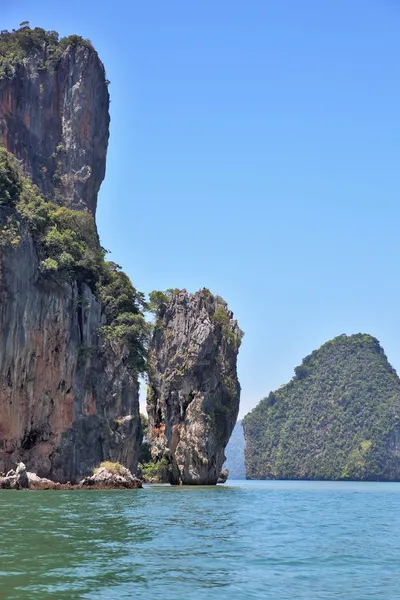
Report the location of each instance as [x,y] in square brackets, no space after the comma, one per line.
[68,392]
[193,397]
[54,115]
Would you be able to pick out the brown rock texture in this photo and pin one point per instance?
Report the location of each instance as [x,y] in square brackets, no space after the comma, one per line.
[193,397]
[54,118]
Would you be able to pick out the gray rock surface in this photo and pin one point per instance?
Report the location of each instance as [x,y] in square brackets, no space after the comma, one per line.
[193,397]
[15,480]
[55,120]
[223,476]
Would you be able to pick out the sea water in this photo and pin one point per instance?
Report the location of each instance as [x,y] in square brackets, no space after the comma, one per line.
[243,540]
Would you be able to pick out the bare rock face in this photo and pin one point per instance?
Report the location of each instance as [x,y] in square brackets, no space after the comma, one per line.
[67,400]
[54,118]
[193,397]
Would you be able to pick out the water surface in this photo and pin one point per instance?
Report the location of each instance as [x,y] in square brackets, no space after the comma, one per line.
[261,540]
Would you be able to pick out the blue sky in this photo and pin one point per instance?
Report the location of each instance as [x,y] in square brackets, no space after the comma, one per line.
[254,150]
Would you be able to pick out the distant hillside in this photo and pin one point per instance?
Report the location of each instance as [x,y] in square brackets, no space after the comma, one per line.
[338,418]
[235,453]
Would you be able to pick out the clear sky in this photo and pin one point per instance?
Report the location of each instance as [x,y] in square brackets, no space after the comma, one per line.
[254,150]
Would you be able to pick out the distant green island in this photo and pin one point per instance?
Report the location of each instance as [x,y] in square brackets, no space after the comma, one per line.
[337,419]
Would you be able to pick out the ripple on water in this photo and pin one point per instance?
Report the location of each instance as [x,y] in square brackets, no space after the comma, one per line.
[261,540]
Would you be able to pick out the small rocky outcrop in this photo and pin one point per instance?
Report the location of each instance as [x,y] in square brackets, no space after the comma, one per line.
[223,476]
[107,476]
[15,480]
[41,483]
[193,394]
[113,476]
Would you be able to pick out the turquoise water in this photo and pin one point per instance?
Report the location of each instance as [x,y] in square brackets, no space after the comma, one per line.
[278,540]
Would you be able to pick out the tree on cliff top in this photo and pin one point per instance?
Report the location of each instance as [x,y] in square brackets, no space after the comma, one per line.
[338,418]
[19,44]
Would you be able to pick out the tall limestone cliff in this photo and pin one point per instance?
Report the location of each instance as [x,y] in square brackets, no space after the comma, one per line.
[71,324]
[338,418]
[193,394]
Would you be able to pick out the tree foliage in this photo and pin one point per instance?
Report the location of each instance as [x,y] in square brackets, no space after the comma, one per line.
[10,181]
[20,44]
[222,319]
[155,471]
[338,418]
[158,301]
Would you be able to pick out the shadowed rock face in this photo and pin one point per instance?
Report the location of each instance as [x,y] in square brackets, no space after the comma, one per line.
[55,120]
[193,398]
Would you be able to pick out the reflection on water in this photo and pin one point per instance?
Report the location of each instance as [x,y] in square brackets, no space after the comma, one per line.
[278,540]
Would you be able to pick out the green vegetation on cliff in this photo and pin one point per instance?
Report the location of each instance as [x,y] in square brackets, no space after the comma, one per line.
[158,301]
[19,44]
[338,418]
[68,250]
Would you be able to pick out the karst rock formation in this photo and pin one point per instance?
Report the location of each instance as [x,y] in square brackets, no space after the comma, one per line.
[193,394]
